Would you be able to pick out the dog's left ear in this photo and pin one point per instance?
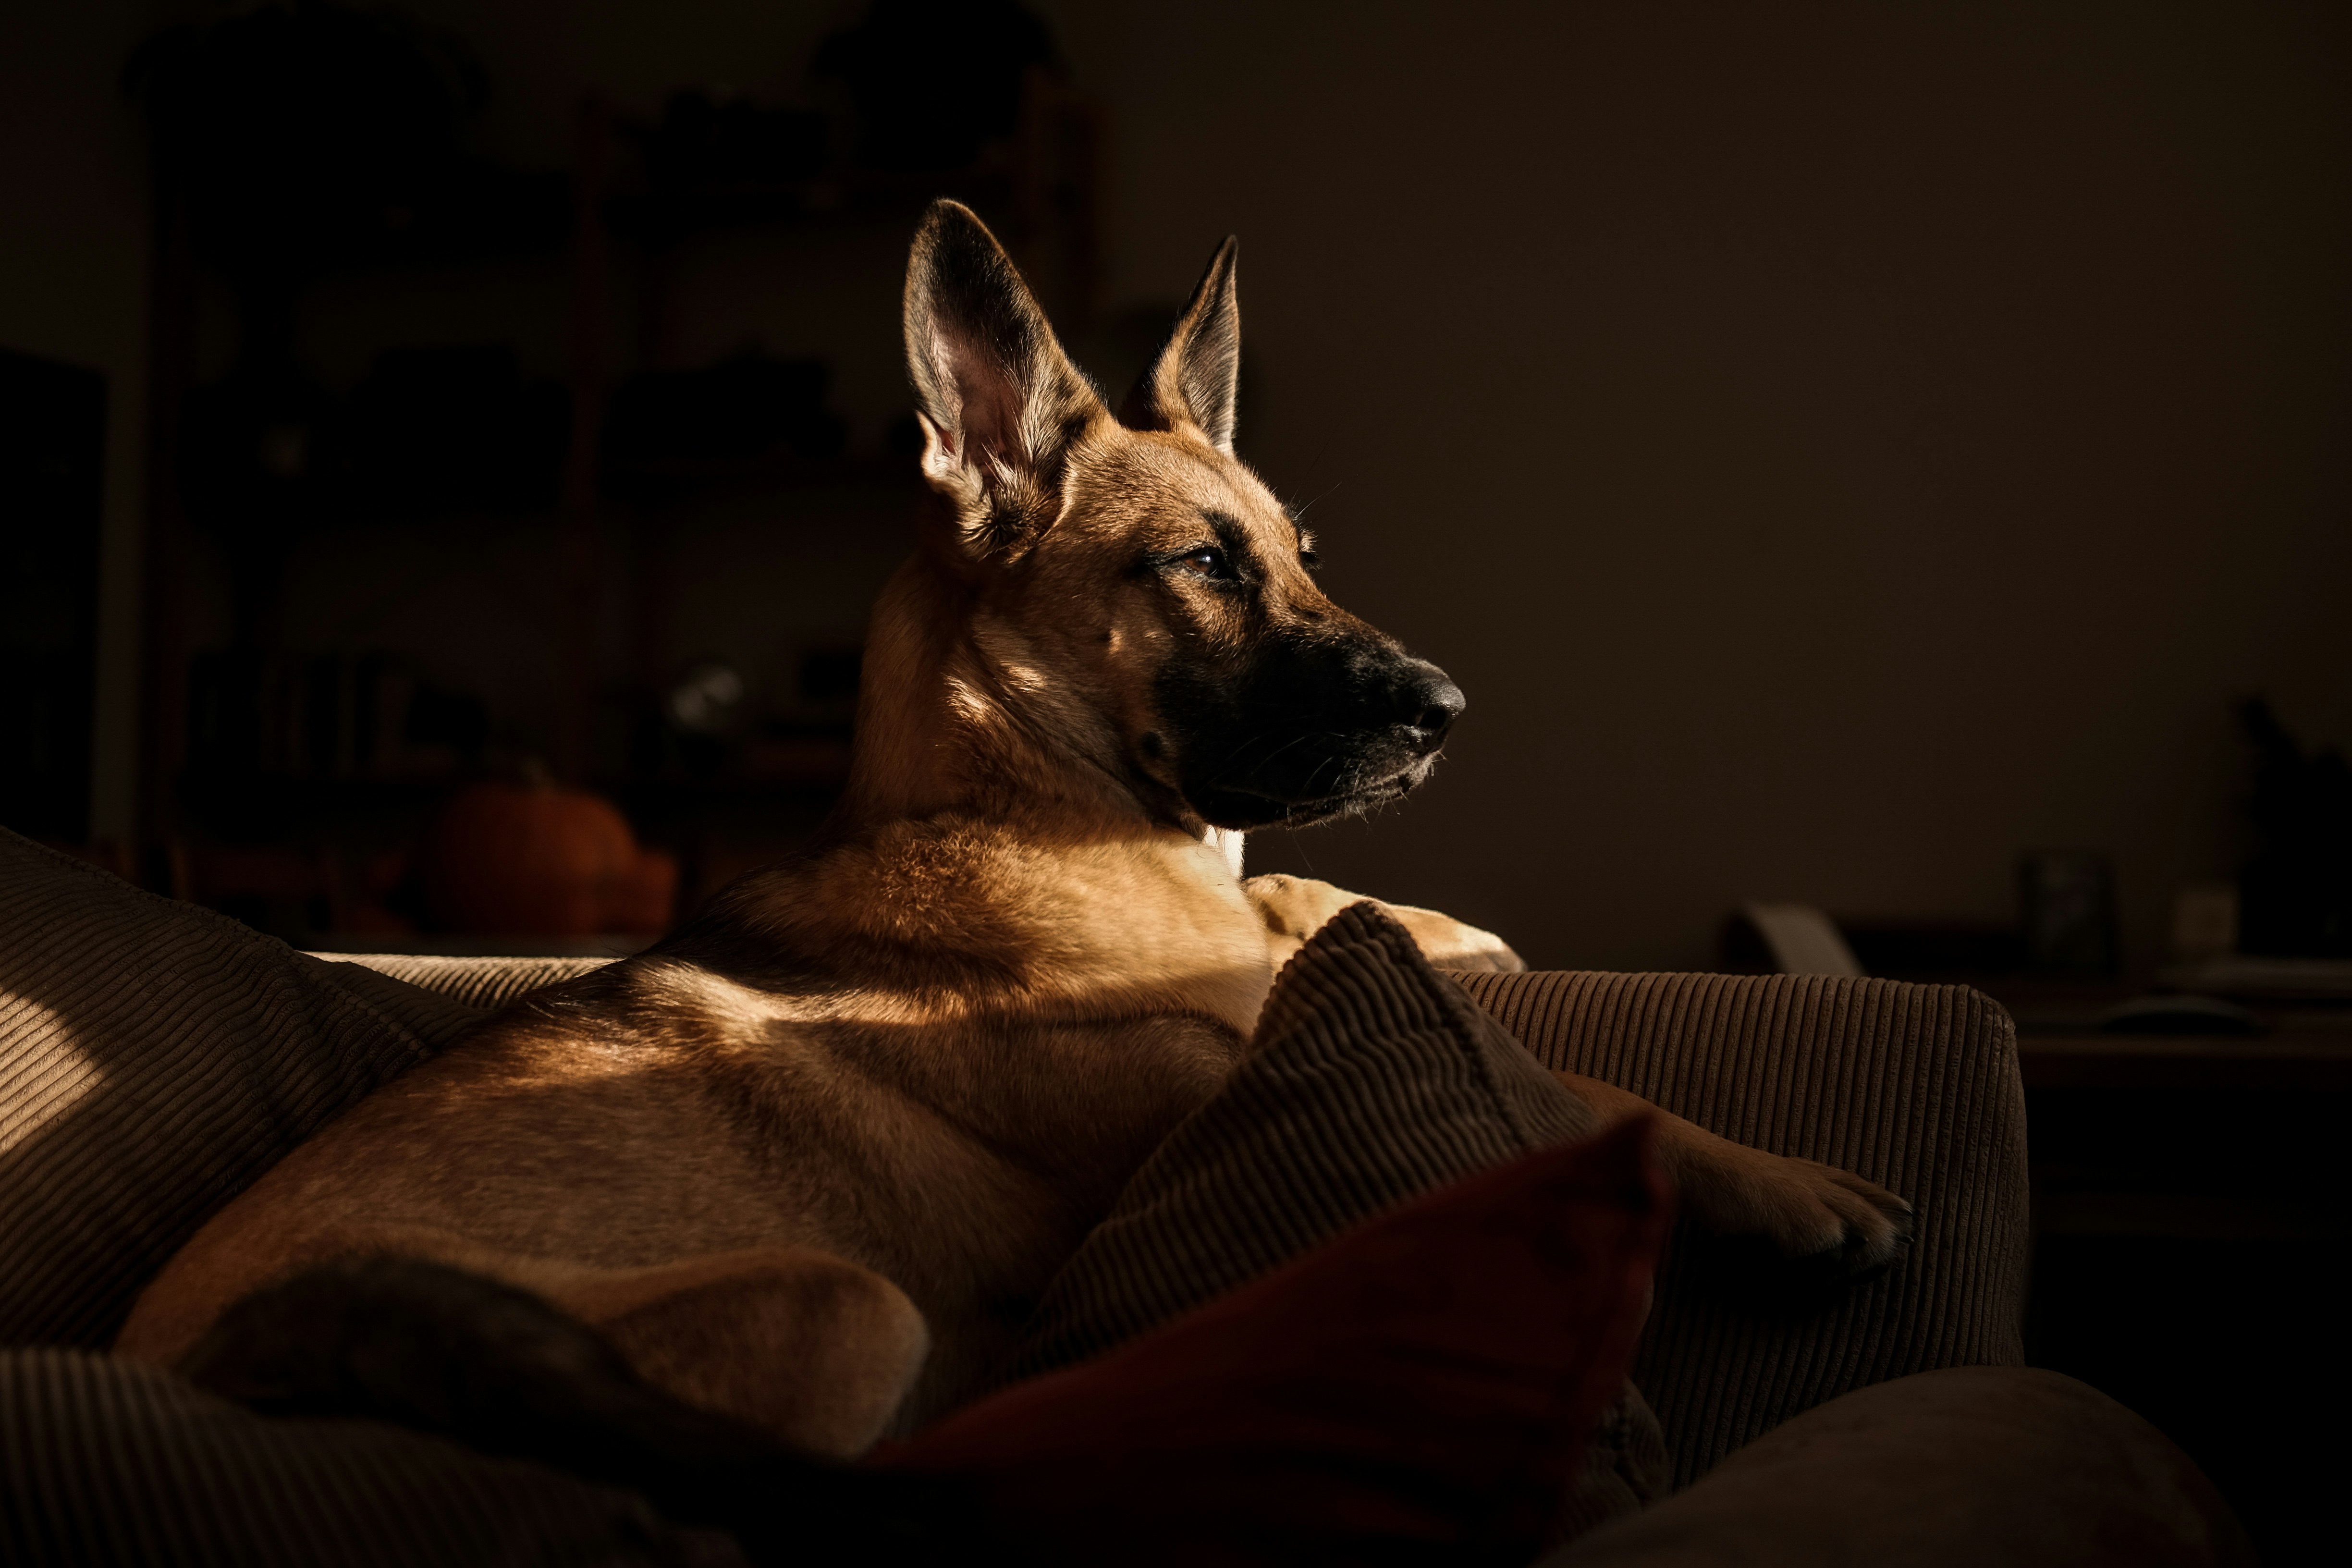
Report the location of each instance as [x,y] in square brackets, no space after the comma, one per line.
[999,400]
[1194,379]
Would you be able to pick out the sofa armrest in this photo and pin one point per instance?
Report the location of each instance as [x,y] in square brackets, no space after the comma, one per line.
[1949,1469]
[1915,1086]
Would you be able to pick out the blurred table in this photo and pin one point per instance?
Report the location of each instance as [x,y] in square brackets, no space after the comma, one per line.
[2192,1222]
[2302,1052]
[2059,1044]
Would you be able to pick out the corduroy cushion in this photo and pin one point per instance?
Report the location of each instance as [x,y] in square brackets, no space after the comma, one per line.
[1915,1086]
[104,1462]
[154,1059]
[1418,1390]
[1372,1078]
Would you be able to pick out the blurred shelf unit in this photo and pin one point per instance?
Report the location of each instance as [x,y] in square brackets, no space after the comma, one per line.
[508,429]
[52,466]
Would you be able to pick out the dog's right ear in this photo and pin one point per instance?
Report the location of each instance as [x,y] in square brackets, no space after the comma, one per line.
[999,401]
[1194,381]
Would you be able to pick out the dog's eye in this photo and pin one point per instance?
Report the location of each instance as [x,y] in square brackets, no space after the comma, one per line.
[1307,556]
[1209,562]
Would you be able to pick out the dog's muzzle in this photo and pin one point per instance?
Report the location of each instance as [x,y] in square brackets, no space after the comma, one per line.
[1313,739]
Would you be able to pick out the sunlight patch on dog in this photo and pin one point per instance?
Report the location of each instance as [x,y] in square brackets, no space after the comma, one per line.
[968,703]
[702,992]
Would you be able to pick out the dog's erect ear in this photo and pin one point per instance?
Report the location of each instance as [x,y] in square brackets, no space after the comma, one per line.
[999,400]
[1194,379]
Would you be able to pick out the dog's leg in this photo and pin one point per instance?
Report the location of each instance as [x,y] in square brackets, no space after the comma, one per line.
[1294,907]
[470,1358]
[808,1347]
[1804,1208]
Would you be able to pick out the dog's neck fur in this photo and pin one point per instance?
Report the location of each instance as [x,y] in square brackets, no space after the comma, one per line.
[976,841]
[940,727]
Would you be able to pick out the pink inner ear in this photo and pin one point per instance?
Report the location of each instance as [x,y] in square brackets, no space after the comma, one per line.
[986,422]
[990,420]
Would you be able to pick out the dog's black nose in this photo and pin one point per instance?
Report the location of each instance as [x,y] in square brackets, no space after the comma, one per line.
[1427,703]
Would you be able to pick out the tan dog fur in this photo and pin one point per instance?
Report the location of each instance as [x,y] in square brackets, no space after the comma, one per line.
[810,1161]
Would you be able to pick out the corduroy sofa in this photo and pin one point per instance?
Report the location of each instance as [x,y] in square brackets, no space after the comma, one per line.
[154,1059]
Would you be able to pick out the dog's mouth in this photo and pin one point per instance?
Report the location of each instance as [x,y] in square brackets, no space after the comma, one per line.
[1244,805]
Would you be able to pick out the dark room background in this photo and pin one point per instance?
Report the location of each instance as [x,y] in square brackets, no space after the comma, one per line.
[1837,447]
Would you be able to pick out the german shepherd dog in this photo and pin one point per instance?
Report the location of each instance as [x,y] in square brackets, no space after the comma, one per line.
[808,1162]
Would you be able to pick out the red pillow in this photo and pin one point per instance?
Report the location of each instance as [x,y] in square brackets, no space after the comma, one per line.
[1421,1389]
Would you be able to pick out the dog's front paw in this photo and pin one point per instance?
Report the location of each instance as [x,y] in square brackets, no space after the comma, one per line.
[1449,943]
[1294,907]
[1803,1208]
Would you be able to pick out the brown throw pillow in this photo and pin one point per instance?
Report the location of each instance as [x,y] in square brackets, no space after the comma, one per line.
[155,1059]
[1374,1079]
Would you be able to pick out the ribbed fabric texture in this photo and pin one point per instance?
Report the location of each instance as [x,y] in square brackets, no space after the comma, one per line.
[1372,1079]
[106,1463]
[1915,1086]
[154,1059]
[486,982]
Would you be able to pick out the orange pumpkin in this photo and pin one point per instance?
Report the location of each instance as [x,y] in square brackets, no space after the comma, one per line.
[537,860]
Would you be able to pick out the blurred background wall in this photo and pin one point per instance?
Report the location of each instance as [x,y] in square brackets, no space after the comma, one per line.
[1837,447]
